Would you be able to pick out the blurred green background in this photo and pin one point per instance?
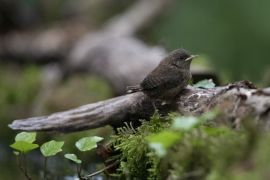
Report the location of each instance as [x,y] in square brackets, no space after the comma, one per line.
[234,36]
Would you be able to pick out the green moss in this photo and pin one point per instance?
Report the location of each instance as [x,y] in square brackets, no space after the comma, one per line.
[137,160]
[202,151]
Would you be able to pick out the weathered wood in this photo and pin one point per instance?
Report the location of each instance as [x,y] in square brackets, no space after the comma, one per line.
[235,101]
[85,117]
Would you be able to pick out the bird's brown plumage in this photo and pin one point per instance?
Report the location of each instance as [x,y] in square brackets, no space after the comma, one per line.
[168,78]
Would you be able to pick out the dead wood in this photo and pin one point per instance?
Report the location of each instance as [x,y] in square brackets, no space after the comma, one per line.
[235,101]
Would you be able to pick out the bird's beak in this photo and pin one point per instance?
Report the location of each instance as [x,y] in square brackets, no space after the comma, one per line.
[191,57]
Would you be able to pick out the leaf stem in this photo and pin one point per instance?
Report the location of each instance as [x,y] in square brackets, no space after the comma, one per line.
[21,166]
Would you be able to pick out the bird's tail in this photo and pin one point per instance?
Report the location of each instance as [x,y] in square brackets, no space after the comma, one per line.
[132,89]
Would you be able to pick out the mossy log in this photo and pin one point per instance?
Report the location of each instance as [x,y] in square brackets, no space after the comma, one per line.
[235,101]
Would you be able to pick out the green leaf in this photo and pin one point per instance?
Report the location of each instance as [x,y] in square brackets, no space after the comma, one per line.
[51,148]
[88,143]
[162,141]
[23,146]
[184,122]
[73,158]
[26,137]
[206,84]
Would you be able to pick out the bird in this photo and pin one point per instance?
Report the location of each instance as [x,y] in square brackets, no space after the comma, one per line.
[168,79]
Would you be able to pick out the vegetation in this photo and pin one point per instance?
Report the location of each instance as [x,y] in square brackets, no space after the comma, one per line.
[24,143]
[172,146]
[234,37]
[178,147]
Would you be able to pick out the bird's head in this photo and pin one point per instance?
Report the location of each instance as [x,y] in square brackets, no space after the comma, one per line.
[181,58]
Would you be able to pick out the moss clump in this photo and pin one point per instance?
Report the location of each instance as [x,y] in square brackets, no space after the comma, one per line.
[137,160]
[201,151]
[204,150]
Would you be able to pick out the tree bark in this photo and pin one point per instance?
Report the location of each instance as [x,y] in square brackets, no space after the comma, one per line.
[235,102]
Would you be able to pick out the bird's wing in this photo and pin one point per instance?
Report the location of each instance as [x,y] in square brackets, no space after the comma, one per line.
[162,79]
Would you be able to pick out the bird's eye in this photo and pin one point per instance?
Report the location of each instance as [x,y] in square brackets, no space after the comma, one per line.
[183,57]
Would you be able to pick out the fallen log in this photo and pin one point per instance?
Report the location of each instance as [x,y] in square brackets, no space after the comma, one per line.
[235,101]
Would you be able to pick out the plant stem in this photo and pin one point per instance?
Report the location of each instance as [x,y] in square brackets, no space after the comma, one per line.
[100,171]
[21,167]
[25,167]
[78,170]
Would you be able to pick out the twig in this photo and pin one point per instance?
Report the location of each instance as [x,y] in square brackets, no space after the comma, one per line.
[100,171]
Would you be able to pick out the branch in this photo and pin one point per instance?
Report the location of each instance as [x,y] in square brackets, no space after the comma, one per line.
[136,17]
[115,59]
[85,117]
[40,46]
[131,107]
[116,48]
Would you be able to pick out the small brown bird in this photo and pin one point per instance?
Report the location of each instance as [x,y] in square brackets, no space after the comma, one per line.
[168,78]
